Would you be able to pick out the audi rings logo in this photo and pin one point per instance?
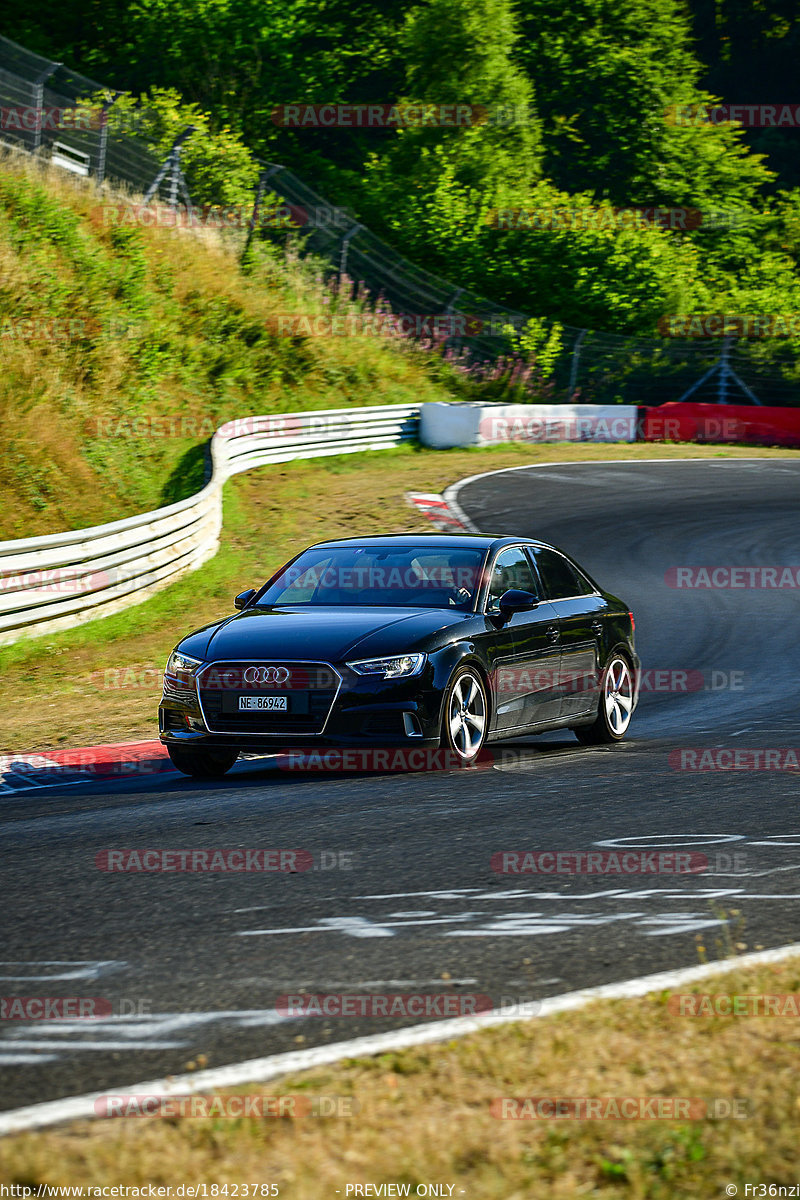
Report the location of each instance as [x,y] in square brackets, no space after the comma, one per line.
[265,675]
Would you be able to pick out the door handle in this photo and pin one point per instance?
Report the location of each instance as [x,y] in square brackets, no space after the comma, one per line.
[553,633]
[597,626]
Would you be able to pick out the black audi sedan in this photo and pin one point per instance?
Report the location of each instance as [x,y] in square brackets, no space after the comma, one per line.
[415,641]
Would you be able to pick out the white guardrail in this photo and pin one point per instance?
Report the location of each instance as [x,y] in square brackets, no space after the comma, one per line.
[61,580]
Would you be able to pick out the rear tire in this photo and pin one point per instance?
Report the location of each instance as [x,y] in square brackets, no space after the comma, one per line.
[202,764]
[615,708]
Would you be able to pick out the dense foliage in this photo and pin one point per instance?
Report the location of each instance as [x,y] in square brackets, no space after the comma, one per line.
[591,86]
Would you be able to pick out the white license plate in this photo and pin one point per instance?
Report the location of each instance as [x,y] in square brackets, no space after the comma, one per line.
[264,703]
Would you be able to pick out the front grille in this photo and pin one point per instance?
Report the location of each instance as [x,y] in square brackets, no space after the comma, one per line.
[310,691]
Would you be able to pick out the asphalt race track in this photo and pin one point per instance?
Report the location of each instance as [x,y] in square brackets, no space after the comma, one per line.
[193,964]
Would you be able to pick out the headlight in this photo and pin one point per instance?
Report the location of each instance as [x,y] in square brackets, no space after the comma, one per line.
[399,667]
[178,664]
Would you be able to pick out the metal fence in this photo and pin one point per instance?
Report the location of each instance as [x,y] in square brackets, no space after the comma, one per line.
[61,580]
[43,107]
[592,366]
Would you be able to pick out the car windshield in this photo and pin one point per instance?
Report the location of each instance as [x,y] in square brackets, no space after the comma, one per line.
[393,576]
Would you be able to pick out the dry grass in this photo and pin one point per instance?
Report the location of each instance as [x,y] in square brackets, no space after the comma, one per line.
[425,1114]
[270,513]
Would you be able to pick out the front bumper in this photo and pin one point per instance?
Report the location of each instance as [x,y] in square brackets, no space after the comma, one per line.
[360,711]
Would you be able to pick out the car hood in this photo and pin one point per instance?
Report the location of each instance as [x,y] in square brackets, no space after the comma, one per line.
[320,633]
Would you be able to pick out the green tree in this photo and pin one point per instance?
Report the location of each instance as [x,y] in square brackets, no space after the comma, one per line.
[608,72]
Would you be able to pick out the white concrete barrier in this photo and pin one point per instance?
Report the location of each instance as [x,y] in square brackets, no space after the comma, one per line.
[443,426]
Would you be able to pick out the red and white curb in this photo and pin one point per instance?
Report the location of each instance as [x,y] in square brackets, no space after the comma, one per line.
[441,514]
[65,768]
[258,1070]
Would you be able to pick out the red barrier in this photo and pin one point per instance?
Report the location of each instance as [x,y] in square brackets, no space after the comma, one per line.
[721,423]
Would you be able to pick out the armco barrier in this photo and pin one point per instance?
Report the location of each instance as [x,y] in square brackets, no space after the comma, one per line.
[60,580]
[443,426]
[721,423]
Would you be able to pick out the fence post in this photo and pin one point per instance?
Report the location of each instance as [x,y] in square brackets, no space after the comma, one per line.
[103,147]
[576,354]
[38,92]
[261,187]
[726,374]
[449,311]
[172,163]
[343,254]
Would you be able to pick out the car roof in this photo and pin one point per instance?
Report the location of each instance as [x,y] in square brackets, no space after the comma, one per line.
[476,541]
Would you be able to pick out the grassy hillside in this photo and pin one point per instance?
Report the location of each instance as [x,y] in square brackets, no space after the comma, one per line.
[123,347]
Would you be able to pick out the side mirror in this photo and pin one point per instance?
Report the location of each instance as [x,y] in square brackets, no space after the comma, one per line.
[515,600]
[244,598]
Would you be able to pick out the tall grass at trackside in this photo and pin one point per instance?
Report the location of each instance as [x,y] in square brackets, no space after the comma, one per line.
[158,330]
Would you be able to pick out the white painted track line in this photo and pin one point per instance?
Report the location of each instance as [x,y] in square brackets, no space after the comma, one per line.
[258,1070]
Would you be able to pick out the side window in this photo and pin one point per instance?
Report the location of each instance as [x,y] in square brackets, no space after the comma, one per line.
[559,578]
[511,570]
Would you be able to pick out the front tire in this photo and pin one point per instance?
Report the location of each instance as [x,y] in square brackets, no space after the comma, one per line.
[202,764]
[615,708]
[465,716]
